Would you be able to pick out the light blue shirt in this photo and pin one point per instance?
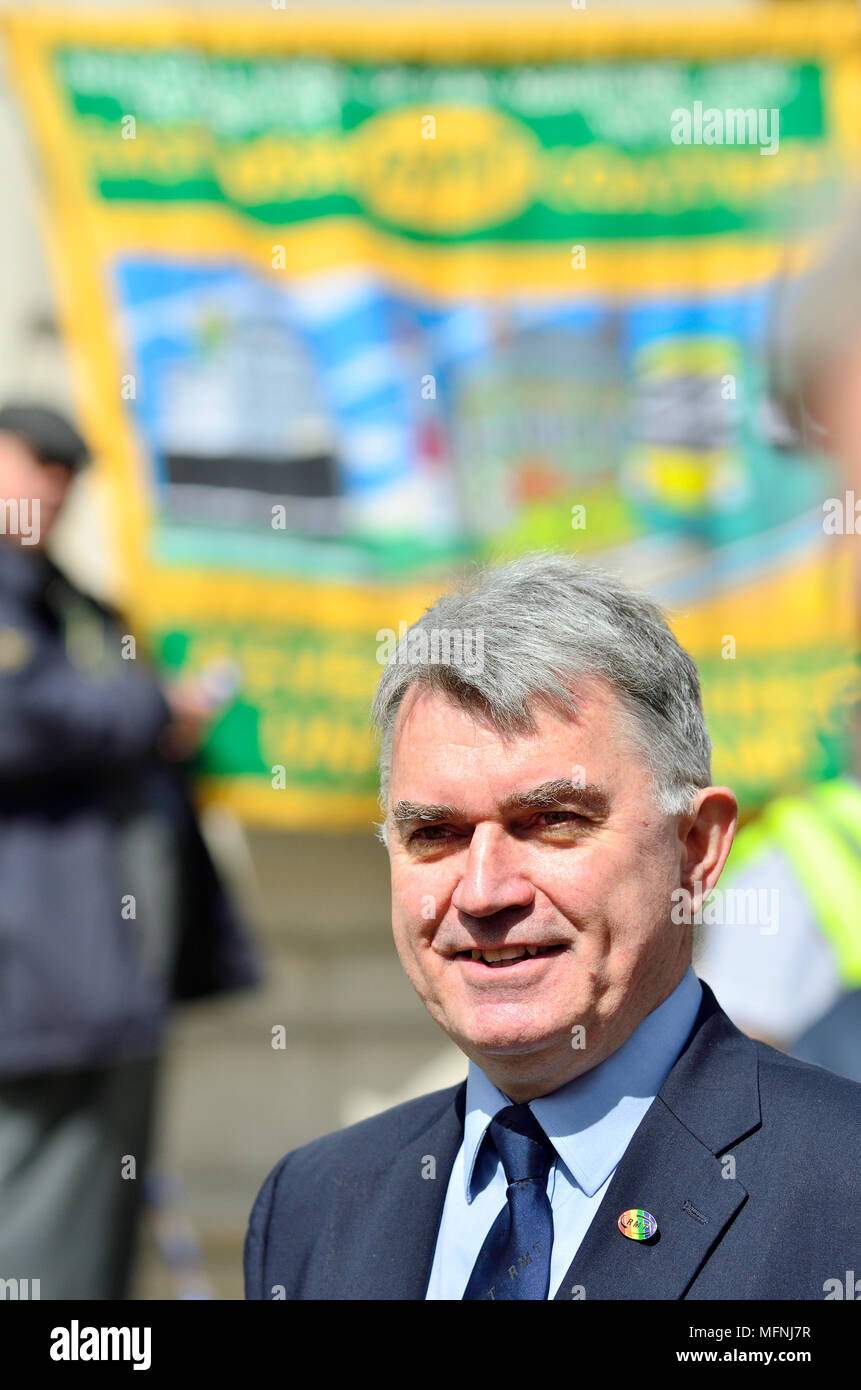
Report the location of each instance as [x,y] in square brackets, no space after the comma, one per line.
[590,1122]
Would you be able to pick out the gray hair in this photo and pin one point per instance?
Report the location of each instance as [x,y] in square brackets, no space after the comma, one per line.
[547,623]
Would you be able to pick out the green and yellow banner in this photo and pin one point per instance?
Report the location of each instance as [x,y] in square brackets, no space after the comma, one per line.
[355,301]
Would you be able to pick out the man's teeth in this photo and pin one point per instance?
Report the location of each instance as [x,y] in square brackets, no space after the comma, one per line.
[505,953]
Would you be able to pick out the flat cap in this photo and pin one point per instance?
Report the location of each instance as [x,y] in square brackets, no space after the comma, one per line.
[52,438]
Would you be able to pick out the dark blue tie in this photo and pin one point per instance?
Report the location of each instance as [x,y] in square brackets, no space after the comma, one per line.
[514,1261]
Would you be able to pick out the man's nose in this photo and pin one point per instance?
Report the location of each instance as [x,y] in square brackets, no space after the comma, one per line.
[493,878]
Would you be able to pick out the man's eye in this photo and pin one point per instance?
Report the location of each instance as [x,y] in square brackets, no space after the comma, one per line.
[429,834]
[550,818]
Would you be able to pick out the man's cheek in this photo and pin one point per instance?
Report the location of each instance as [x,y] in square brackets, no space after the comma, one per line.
[410,931]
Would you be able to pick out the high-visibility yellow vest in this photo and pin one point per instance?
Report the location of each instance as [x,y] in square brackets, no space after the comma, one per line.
[819,833]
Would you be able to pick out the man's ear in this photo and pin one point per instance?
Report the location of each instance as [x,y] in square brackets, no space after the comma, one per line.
[707,835]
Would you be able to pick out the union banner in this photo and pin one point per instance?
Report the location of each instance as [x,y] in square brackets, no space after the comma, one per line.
[355,302]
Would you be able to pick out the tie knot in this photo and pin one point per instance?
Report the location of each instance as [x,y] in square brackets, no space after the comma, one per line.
[521,1143]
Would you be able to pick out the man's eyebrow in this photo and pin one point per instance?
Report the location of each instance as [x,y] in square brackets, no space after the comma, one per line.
[404,811]
[559,793]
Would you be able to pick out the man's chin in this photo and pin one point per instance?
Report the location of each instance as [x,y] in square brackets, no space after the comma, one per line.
[508,1042]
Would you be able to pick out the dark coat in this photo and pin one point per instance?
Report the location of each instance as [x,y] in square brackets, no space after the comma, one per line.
[351,1216]
[79,767]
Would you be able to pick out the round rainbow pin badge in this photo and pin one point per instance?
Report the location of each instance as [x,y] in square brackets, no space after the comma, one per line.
[637,1224]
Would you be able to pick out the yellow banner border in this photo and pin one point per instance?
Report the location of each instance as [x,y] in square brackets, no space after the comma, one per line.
[463,35]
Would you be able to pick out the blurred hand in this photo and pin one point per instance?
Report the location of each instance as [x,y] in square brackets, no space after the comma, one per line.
[192,707]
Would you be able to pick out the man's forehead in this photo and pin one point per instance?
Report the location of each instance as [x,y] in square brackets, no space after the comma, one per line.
[446,754]
[426,715]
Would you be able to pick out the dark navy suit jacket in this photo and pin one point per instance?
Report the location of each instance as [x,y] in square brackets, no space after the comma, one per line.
[749,1160]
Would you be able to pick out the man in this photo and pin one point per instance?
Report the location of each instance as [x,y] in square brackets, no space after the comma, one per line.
[551,823]
[110,904]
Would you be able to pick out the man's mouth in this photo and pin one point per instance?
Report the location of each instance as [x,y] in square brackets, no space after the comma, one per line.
[507,956]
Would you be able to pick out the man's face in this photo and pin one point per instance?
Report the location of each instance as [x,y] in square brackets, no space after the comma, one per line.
[584,877]
[41,486]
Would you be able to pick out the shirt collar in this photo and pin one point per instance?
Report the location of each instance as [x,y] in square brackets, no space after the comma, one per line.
[592,1120]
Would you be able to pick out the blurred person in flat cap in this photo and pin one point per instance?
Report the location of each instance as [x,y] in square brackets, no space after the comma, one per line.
[111,906]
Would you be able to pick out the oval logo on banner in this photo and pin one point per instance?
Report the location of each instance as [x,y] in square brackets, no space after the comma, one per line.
[637,1224]
[459,171]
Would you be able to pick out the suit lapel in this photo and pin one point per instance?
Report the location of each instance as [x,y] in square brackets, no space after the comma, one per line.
[404,1208]
[671,1168]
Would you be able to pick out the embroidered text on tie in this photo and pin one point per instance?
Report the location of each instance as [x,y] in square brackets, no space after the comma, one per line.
[514,1261]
